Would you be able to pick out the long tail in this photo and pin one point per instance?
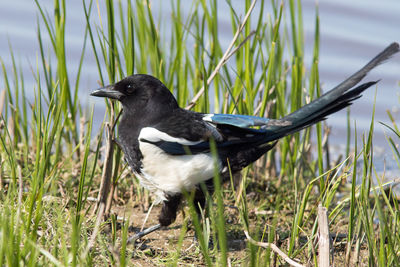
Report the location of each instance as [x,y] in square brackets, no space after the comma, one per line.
[331,102]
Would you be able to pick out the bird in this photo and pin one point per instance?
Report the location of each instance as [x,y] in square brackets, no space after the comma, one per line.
[169,148]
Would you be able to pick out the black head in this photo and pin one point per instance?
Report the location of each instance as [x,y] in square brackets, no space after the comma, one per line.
[140,94]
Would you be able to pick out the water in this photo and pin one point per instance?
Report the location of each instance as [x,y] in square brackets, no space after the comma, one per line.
[352,32]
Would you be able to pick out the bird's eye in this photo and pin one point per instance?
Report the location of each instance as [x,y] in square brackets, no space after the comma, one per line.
[129,88]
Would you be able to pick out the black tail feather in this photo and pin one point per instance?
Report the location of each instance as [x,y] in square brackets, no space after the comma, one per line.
[331,102]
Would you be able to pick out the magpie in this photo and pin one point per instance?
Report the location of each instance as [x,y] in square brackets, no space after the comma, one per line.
[168,148]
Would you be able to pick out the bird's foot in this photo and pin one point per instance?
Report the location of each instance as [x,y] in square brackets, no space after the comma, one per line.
[143,233]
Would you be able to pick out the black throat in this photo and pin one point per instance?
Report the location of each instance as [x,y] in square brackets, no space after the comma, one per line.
[128,133]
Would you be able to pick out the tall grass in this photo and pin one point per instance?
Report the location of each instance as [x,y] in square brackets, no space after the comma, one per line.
[50,167]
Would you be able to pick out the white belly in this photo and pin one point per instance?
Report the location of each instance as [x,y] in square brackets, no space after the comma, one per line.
[162,172]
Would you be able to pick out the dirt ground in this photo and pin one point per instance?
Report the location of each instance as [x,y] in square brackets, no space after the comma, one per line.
[159,246]
[150,250]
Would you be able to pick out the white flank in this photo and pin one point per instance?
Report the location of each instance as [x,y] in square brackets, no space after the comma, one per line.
[162,172]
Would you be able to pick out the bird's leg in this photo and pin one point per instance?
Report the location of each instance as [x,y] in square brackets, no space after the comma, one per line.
[199,202]
[200,195]
[141,234]
[166,217]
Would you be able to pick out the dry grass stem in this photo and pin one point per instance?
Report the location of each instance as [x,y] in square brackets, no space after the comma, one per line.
[275,249]
[225,57]
[324,240]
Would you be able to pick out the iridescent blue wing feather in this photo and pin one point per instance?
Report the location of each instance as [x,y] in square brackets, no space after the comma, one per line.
[241,121]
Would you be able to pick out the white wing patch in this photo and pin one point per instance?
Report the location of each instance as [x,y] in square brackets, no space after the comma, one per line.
[153,135]
[162,172]
[208,117]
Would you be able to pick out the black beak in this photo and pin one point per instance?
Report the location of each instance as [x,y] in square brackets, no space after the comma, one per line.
[107,91]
